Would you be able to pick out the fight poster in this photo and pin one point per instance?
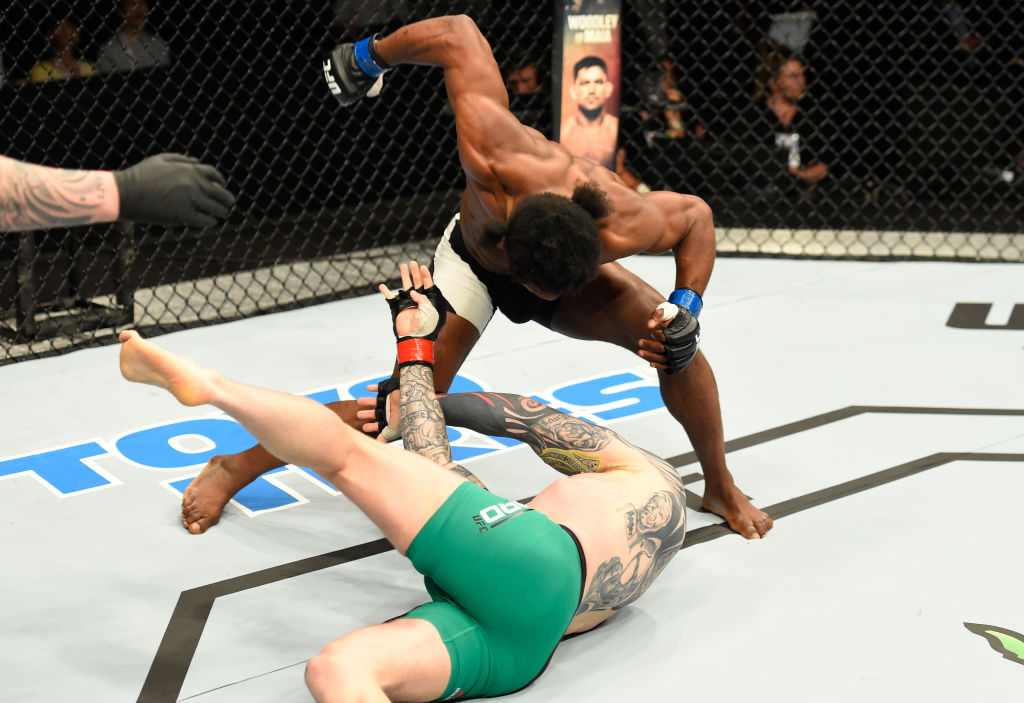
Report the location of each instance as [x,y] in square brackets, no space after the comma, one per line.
[586,72]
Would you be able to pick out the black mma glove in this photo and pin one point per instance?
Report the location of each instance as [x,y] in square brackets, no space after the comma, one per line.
[418,348]
[383,409]
[682,335]
[355,70]
[172,190]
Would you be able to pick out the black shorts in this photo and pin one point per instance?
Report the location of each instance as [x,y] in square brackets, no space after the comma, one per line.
[515,302]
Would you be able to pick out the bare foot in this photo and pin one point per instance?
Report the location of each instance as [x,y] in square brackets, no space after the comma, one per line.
[738,511]
[144,362]
[206,496]
[218,482]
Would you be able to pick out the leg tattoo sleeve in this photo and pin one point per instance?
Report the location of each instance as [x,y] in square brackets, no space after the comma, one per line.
[566,443]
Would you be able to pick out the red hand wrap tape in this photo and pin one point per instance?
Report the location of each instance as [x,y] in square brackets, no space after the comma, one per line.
[416,349]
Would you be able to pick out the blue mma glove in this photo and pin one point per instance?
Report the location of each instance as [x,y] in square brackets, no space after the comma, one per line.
[682,333]
[355,70]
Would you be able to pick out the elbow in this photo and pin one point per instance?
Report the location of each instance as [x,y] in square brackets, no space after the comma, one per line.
[696,225]
[462,33]
[699,211]
[462,25]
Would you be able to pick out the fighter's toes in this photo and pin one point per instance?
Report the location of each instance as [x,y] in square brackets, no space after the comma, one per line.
[197,524]
[741,515]
[763,523]
[194,518]
[752,527]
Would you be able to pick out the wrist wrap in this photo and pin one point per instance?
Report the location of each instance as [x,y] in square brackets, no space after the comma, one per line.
[415,350]
[688,298]
[368,59]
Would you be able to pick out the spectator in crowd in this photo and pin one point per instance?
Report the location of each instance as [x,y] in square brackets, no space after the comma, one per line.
[967,38]
[527,99]
[666,115]
[674,106]
[591,132]
[63,38]
[133,47]
[522,79]
[777,122]
[648,51]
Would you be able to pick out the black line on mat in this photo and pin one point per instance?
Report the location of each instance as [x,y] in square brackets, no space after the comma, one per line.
[181,638]
[174,655]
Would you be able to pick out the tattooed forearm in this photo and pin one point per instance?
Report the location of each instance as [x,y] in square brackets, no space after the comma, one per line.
[423,425]
[38,197]
[568,444]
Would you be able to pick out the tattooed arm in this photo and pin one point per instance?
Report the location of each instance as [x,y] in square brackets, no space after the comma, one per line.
[423,424]
[166,189]
[39,197]
[567,444]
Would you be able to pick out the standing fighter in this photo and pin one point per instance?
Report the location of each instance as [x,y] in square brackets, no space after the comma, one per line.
[538,236]
[507,580]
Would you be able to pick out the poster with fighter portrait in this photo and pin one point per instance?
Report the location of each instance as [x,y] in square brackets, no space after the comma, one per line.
[586,78]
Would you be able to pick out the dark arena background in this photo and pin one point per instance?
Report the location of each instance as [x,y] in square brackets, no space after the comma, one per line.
[914,107]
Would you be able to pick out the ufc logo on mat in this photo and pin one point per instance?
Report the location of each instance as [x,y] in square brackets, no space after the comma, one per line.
[494,515]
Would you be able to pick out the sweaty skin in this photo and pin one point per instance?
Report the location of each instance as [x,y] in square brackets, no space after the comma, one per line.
[504,162]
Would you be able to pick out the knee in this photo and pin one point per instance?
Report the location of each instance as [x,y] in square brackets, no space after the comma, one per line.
[336,674]
[321,675]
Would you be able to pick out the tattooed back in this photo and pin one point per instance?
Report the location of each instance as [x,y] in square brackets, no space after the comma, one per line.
[630,517]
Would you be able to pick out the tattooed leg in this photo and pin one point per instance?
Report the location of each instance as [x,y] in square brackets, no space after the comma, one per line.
[567,444]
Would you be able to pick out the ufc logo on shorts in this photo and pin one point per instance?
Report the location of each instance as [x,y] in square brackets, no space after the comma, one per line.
[330,79]
[494,515]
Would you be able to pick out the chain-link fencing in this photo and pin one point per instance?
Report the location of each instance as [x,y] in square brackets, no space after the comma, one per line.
[900,136]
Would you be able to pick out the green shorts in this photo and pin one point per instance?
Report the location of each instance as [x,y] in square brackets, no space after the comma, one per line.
[506,582]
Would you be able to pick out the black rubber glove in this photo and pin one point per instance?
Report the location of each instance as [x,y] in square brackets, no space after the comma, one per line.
[346,79]
[173,190]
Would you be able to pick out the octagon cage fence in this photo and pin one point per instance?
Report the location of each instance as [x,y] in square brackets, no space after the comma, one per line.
[913,110]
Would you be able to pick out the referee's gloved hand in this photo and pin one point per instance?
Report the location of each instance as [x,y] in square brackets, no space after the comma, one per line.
[173,190]
[355,70]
